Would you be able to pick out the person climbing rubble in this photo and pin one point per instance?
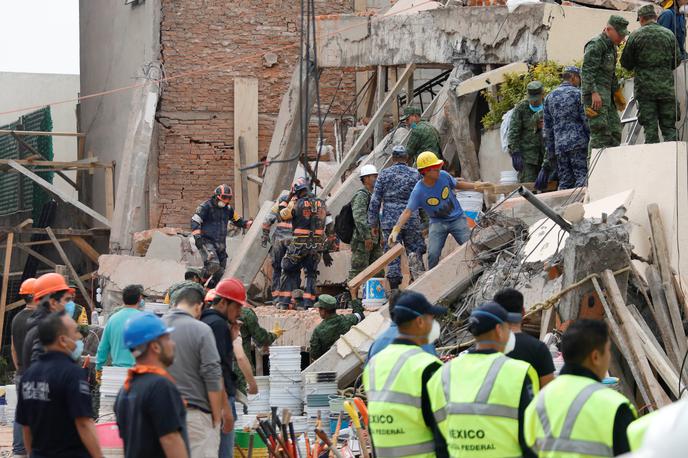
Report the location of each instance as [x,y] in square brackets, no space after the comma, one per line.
[435,194]
[526,145]
[209,229]
[392,190]
[333,325]
[308,215]
[279,242]
[366,245]
[423,135]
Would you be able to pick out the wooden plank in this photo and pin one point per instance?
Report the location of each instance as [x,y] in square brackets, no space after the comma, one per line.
[89,163]
[73,271]
[55,190]
[368,131]
[409,91]
[379,98]
[5,281]
[109,192]
[490,78]
[661,315]
[246,127]
[36,255]
[37,242]
[392,75]
[658,398]
[663,260]
[58,231]
[379,264]
[85,248]
[243,197]
[36,133]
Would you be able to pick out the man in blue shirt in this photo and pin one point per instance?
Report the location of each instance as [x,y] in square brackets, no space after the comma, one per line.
[566,131]
[435,194]
[673,19]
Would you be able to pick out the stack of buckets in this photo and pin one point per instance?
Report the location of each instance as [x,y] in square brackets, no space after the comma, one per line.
[337,408]
[472,204]
[112,381]
[318,388]
[285,379]
[374,293]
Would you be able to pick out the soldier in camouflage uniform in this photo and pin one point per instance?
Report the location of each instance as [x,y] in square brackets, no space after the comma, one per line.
[280,241]
[423,135]
[599,86]
[566,131]
[652,52]
[525,134]
[392,190]
[365,245]
[333,325]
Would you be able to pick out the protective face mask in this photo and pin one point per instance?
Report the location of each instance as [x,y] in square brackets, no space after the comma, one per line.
[221,204]
[510,344]
[413,125]
[434,332]
[535,109]
[78,350]
[69,308]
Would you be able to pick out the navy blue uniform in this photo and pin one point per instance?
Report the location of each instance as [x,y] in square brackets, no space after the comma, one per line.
[209,226]
[53,394]
[280,241]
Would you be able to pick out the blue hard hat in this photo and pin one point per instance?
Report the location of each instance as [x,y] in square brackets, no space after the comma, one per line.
[143,328]
[301,183]
[399,150]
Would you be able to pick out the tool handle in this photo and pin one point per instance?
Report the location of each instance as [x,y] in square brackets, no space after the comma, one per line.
[360,405]
[323,436]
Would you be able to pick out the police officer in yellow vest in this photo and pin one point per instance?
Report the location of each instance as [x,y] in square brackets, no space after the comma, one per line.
[576,415]
[395,379]
[480,397]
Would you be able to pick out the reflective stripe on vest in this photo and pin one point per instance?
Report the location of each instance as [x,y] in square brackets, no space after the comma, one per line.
[564,443]
[406,450]
[308,232]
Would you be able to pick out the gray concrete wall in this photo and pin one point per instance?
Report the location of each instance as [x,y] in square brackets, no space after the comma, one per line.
[118,41]
[32,89]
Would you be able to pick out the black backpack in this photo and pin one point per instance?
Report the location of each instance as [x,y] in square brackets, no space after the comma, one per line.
[344,224]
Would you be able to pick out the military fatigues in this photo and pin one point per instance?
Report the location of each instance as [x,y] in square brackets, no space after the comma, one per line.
[209,227]
[652,53]
[392,190]
[250,331]
[307,215]
[423,137]
[329,330]
[567,134]
[598,75]
[280,240]
[360,257]
[525,136]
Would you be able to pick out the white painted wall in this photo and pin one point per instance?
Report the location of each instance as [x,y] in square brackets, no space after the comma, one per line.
[32,89]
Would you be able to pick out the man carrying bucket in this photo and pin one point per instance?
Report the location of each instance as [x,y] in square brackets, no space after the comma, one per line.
[435,194]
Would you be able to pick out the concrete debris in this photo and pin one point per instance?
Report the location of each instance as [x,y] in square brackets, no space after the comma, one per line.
[269,59]
[142,240]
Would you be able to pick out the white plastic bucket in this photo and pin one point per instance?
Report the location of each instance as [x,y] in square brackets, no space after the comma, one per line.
[374,293]
[472,204]
[508,177]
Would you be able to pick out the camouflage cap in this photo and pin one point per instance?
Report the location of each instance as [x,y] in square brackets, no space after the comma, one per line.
[410,110]
[178,287]
[647,10]
[195,270]
[327,302]
[535,89]
[620,24]
[571,69]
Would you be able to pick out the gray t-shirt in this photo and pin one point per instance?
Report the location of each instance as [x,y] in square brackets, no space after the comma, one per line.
[196,368]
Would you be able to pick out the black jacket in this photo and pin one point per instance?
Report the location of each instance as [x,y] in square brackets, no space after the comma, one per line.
[223,340]
[32,348]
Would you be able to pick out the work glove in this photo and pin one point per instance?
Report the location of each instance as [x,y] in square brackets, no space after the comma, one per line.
[327,259]
[590,113]
[392,239]
[99,377]
[517,160]
[197,241]
[277,330]
[542,179]
[619,100]
[265,240]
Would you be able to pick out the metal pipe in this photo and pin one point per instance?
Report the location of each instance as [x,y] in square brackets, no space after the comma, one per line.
[544,208]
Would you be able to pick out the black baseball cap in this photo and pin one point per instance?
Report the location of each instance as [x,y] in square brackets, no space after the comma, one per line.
[410,305]
[487,317]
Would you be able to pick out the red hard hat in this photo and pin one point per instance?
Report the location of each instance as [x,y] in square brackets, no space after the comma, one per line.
[232,289]
[28,287]
[210,295]
[50,283]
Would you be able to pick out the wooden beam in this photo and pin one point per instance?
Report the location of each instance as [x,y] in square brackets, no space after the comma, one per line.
[55,190]
[59,231]
[246,128]
[37,242]
[660,311]
[379,98]
[490,78]
[73,271]
[85,248]
[89,163]
[392,75]
[5,281]
[109,192]
[36,133]
[241,192]
[36,255]
[657,397]
[368,131]
[376,266]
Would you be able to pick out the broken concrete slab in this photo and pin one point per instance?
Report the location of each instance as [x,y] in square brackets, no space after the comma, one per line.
[165,247]
[519,207]
[411,7]
[142,240]
[338,272]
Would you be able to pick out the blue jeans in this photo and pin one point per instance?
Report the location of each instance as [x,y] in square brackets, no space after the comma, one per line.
[17,432]
[227,440]
[438,233]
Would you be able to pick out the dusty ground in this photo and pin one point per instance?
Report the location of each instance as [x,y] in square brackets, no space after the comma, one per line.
[5,441]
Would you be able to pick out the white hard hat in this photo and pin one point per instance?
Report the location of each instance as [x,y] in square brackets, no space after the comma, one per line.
[665,436]
[368,169]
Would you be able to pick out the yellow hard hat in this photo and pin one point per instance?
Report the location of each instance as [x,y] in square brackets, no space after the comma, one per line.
[667,4]
[427,159]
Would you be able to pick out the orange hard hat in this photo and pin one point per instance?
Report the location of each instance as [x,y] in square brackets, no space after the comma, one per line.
[27,287]
[232,289]
[50,283]
[210,295]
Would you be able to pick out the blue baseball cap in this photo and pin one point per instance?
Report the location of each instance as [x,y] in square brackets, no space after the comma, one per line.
[410,305]
[572,69]
[399,150]
[487,317]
